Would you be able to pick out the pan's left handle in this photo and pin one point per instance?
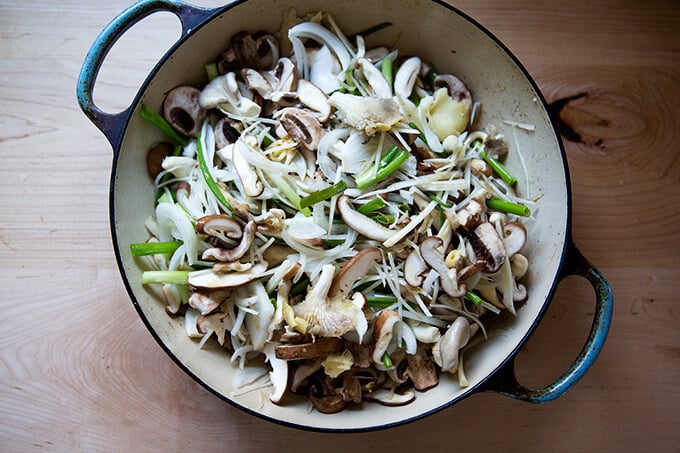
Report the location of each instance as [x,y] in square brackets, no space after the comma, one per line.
[113,124]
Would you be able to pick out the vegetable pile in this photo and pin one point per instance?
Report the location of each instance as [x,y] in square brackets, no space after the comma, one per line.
[331,214]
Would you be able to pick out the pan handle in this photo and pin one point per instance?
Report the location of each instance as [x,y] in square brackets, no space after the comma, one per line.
[113,124]
[504,381]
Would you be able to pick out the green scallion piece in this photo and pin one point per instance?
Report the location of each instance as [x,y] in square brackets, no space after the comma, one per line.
[291,194]
[498,204]
[208,178]
[383,219]
[300,287]
[323,194]
[385,168]
[333,242]
[162,125]
[153,248]
[499,168]
[211,70]
[421,135]
[374,205]
[165,277]
[387,360]
[381,301]
[474,298]
[437,200]
[387,68]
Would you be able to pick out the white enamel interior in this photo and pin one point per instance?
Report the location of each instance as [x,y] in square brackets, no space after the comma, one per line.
[436,33]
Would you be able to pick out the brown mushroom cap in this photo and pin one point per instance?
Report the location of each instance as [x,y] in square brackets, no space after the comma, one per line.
[514,237]
[207,279]
[488,246]
[354,269]
[382,333]
[414,268]
[219,224]
[182,110]
[221,254]
[455,88]
[318,348]
[155,156]
[302,126]
[361,223]
[421,370]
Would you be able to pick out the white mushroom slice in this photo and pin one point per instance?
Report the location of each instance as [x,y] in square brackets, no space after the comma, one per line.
[414,268]
[421,370]
[391,398]
[368,114]
[380,87]
[319,348]
[224,92]
[279,375]
[448,278]
[406,76]
[207,279]
[425,333]
[271,222]
[361,223]
[514,237]
[311,96]
[446,350]
[488,246]
[207,303]
[382,333]
[182,109]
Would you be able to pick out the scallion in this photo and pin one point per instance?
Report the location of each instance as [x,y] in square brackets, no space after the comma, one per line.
[498,204]
[165,277]
[162,125]
[499,168]
[437,200]
[323,194]
[387,70]
[474,298]
[371,30]
[153,248]
[288,191]
[421,135]
[208,178]
[388,165]
[387,361]
[381,301]
[374,205]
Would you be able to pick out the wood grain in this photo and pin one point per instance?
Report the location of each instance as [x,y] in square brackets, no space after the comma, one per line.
[80,372]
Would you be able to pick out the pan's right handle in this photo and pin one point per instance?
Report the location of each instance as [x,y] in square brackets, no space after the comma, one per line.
[505,381]
[113,124]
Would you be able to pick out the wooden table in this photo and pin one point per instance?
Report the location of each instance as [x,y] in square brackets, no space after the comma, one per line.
[79,371]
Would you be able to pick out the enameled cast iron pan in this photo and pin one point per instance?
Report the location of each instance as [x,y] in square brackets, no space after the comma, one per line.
[435,31]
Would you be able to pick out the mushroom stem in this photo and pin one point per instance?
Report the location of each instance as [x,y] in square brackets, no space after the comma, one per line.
[361,223]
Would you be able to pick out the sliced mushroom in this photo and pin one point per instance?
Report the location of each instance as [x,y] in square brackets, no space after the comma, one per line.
[382,333]
[206,303]
[155,156]
[405,78]
[271,222]
[302,126]
[207,279]
[219,225]
[455,88]
[366,113]
[258,50]
[181,108]
[354,269]
[233,254]
[313,97]
[468,217]
[324,397]
[448,278]
[225,93]
[421,370]
[218,323]
[446,351]
[488,246]
[303,371]
[319,348]
[279,375]
[361,223]
[414,268]
[388,397]
[331,317]
[226,132]
[479,167]
[514,237]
